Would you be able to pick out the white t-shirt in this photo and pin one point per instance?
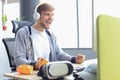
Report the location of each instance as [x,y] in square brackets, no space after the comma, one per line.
[40,44]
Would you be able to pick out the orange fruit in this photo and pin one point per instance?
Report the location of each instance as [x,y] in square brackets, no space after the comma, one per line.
[25,69]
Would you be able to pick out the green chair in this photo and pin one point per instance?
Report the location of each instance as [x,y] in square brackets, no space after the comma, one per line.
[108,46]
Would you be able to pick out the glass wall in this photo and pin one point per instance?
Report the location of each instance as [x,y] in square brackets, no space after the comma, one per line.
[72,23]
[65,22]
[85,13]
[12,13]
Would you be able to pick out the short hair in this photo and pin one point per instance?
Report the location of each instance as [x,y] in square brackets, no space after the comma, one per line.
[44,7]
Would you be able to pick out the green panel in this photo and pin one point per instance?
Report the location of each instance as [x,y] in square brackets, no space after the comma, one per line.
[108,46]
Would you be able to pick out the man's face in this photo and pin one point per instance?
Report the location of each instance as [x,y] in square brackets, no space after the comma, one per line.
[46,19]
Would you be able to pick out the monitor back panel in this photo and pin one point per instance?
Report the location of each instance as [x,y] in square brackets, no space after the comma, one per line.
[108,46]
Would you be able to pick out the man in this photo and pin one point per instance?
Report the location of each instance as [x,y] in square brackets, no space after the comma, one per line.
[37,42]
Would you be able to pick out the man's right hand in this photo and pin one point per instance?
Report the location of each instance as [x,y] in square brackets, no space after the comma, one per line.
[40,62]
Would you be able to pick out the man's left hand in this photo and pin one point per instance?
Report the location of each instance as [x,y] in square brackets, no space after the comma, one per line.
[80,58]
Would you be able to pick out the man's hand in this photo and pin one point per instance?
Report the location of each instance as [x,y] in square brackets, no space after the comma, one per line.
[80,58]
[38,64]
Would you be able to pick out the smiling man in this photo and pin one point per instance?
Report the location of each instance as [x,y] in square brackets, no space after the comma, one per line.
[36,42]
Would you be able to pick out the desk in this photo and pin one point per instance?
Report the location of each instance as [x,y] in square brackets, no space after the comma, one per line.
[16,75]
[35,77]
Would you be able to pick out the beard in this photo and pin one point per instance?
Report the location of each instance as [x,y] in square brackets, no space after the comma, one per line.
[44,26]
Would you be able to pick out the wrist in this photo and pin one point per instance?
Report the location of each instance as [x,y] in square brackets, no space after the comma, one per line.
[73,59]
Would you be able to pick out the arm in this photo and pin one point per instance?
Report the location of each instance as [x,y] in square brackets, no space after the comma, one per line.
[21,52]
[58,52]
[61,55]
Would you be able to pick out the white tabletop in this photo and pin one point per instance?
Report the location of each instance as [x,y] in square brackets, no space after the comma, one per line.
[35,77]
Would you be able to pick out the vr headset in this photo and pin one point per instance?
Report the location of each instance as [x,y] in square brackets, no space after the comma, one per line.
[56,70]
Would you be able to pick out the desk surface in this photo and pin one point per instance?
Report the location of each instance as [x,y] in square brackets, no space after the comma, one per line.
[16,75]
[35,77]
